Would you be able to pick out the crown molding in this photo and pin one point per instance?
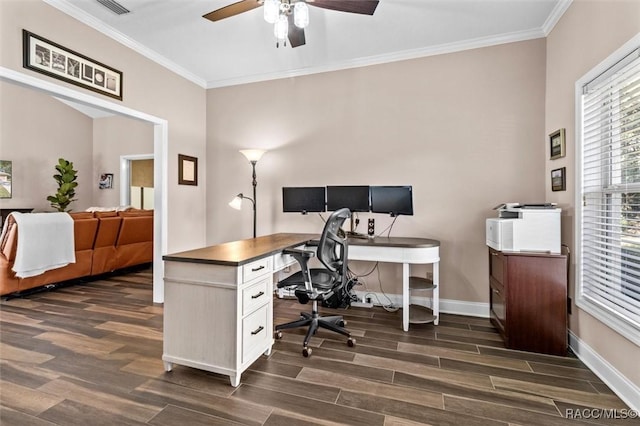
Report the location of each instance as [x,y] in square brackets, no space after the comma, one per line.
[555,16]
[97,25]
[386,58]
[476,43]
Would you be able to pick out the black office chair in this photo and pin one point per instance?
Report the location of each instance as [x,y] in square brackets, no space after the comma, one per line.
[320,284]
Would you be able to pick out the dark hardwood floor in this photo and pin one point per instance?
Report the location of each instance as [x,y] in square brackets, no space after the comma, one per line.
[90,354]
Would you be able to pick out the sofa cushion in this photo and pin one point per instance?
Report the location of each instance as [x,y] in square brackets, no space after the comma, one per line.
[111,213]
[81,215]
[135,212]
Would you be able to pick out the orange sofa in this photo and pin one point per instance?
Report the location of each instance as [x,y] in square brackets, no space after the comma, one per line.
[104,242]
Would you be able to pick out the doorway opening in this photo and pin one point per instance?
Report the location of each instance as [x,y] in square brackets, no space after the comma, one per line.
[137,178]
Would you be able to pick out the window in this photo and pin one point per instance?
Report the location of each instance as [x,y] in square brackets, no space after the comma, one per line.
[608,210]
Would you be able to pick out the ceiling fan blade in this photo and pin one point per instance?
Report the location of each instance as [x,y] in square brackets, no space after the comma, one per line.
[296,35]
[365,7]
[233,9]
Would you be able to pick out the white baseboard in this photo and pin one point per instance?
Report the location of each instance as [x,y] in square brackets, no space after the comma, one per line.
[623,387]
[447,306]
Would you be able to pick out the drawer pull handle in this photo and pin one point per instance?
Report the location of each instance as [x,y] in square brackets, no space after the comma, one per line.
[257,330]
[257,269]
[493,253]
[255,296]
[496,291]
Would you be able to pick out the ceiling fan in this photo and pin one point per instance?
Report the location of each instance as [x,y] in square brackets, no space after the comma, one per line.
[278,12]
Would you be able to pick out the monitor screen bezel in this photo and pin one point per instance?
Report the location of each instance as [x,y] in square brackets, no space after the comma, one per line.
[312,208]
[360,207]
[401,188]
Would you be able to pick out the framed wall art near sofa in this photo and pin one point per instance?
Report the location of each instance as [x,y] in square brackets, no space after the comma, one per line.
[6,172]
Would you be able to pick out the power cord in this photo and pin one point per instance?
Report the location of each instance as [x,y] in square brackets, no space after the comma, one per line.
[388,228]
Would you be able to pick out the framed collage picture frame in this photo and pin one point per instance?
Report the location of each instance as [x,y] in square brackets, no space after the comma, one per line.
[46,57]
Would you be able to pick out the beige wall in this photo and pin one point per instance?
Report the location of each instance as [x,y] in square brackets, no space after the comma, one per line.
[465,129]
[31,122]
[113,137]
[588,32]
[148,87]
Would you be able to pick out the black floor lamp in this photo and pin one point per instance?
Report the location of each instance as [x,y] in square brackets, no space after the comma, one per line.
[253,155]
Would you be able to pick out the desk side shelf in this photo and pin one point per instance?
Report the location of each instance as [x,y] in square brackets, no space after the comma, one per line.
[420,314]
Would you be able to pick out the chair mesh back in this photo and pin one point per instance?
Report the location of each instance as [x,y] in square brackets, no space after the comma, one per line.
[332,250]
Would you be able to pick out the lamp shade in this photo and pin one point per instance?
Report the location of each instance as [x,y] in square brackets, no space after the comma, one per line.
[281,28]
[271,10]
[301,15]
[236,203]
[253,154]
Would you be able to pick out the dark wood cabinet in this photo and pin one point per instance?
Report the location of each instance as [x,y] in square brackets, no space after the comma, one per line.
[528,300]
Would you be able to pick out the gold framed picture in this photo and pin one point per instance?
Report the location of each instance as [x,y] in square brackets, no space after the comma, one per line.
[557,144]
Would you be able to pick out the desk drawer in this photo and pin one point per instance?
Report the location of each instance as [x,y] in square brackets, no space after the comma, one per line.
[255,296]
[256,269]
[281,261]
[255,333]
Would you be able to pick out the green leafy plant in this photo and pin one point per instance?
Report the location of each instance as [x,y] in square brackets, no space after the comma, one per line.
[66,179]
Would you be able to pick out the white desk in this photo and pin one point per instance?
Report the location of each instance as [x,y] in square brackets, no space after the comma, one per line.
[218,308]
[406,251]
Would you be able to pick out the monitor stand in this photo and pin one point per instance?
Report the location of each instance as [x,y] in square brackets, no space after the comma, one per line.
[352,233]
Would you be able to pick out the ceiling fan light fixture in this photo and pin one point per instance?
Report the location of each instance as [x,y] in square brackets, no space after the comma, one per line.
[281,28]
[271,10]
[301,14]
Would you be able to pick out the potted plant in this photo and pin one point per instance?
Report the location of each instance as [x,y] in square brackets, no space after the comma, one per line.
[66,179]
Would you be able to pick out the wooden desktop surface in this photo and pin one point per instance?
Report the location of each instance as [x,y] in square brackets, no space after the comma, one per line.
[237,253]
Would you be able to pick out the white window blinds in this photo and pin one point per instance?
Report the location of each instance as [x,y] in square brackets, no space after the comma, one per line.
[609,266]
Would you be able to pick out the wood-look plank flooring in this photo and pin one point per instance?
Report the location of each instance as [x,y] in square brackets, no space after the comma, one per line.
[90,354]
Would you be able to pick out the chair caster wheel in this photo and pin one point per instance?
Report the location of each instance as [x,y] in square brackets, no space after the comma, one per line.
[351,342]
[306,352]
[278,335]
[342,323]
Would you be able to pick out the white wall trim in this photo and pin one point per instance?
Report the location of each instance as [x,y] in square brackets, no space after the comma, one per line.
[555,15]
[160,147]
[386,58]
[623,387]
[447,306]
[100,26]
[476,43]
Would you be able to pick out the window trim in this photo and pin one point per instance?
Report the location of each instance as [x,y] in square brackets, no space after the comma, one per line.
[587,305]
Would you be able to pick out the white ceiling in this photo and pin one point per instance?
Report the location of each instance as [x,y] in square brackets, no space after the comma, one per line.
[242,48]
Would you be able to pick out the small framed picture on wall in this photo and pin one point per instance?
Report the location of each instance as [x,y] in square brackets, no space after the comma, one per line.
[187,170]
[558,179]
[557,144]
[106,181]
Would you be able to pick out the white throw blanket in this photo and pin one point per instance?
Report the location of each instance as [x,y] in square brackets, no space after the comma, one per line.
[45,241]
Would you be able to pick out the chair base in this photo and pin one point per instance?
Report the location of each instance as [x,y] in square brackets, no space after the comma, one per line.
[314,321]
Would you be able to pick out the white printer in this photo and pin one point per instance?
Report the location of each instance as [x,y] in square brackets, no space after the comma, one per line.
[525,227]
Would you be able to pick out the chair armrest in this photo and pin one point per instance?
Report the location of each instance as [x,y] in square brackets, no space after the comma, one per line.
[298,252]
[312,243]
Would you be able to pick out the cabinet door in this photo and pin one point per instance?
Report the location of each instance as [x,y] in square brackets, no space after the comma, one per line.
[496,266]
[498,307]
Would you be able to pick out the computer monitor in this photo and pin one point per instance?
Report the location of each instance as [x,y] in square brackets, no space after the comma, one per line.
[303,199]
[394,200]
[355,198]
